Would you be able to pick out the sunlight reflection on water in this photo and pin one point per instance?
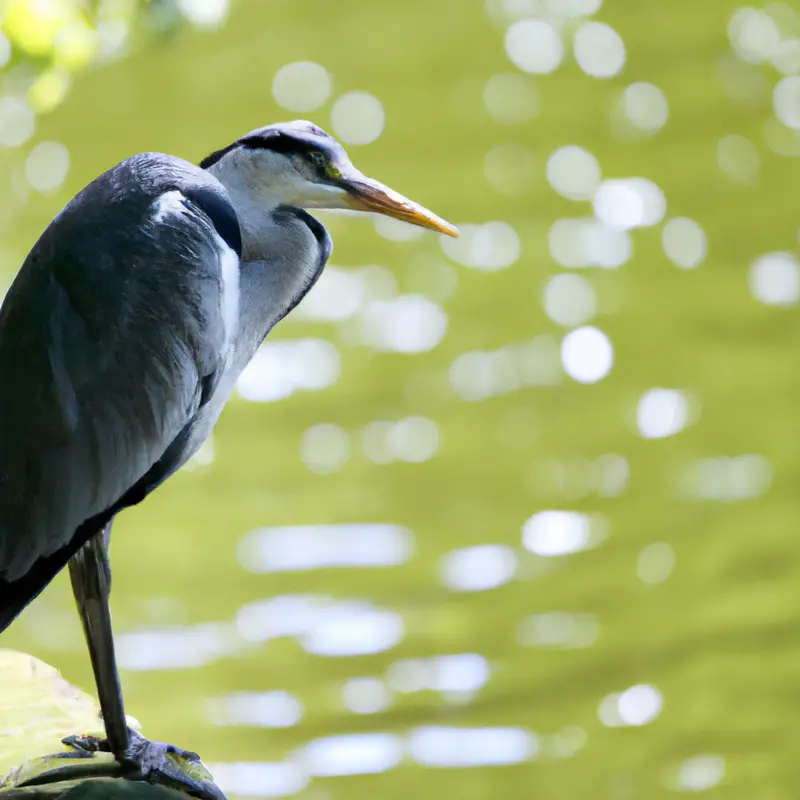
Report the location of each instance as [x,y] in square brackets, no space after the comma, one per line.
[253,779]
[322,625]
[451,674]
[175,647]
[595,221]
[476,569]
[373,753]
[274,709]
[303,547]
[438,746]
[281,368]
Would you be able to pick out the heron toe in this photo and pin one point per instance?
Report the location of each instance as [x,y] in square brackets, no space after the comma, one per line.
[158,763]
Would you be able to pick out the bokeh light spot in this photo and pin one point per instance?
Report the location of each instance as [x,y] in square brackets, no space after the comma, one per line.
[281,368]
[573,172]
[661,413]
[405,324]
[700,773]
[17,122]
[325,448]
[753,35]
[301,86]
[534,46]
[479,568]
[655,563]
[205,13]
[577,243]
[439,746]
[786,57]
[352,628]
[775,279]
[636,706]
[557,533]
[248,778]
[786,101]
[684,242]
[587,354]
[396,230]
[357,118]
[413,439]
[569,300]
[738,158]
[491,246]
[366,695]
[599,50]
[726,479]
[623,204]
[5,50]
[646,106]
[640,704]
[351,754]
[274,709]
[46,166]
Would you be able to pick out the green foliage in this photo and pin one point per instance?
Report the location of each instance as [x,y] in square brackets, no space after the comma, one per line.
[44,44]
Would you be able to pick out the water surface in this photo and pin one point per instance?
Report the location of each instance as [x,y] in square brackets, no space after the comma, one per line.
[509,517]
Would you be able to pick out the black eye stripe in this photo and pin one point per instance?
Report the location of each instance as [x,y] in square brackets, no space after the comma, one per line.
[289,146]
[277,142]
[212,159]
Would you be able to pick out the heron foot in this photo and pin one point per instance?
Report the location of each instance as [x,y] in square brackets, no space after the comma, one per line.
[157,762]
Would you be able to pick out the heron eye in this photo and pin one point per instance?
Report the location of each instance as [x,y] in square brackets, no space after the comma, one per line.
[319,161]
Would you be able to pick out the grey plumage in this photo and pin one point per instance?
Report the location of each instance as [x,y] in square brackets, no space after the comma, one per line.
[108,336]
[123,335]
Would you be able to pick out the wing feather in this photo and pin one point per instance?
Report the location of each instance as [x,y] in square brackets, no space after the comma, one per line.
[110,338]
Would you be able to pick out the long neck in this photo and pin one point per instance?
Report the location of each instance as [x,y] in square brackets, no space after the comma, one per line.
[256,213]
[283,252]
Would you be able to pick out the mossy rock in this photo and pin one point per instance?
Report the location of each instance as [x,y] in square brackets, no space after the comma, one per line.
[38,708]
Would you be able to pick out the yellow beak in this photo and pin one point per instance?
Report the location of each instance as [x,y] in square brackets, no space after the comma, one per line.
[365,194]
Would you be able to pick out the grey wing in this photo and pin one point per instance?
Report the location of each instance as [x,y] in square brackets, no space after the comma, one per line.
[111,338]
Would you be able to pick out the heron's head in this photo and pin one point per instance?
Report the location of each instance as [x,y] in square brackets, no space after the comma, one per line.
[298,164]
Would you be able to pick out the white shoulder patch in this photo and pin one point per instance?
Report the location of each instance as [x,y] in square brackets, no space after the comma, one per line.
[168,203]
[171,203]
[229,275]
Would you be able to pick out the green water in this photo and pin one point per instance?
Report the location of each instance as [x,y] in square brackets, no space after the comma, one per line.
[717,635]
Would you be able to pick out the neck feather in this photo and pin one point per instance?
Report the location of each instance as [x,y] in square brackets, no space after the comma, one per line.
[283,252]
[253,204]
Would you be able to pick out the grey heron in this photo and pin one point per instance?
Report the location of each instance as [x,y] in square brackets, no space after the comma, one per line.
[122,337]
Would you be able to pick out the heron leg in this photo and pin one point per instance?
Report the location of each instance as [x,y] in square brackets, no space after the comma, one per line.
[90,573]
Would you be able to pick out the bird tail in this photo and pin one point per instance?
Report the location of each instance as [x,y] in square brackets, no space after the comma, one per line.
[14,598]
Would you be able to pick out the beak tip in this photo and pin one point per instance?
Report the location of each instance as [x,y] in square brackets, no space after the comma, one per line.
[368,195]
[442,226]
